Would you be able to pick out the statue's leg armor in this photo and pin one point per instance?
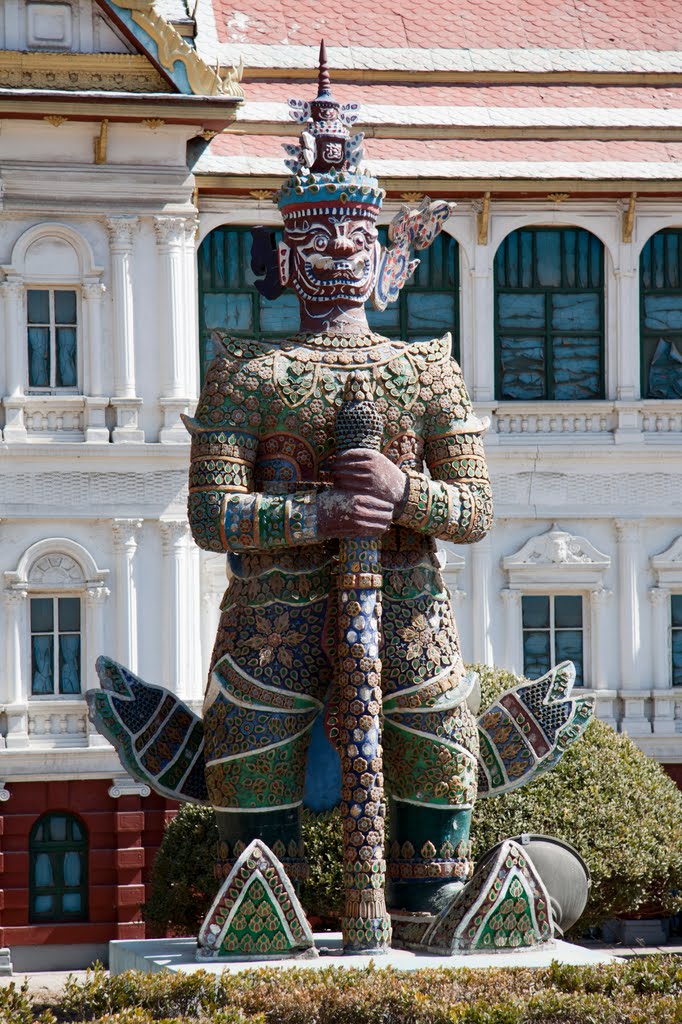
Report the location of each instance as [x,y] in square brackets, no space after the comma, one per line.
[258,713]
[431,768]
[430,745]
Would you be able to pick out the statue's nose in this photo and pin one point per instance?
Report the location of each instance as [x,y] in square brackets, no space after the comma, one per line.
[341,247]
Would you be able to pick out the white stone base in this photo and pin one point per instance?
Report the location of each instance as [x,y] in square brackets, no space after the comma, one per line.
[179,955]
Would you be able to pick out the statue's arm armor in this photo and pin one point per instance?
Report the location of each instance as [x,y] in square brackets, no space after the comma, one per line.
[454,501]
[225,513]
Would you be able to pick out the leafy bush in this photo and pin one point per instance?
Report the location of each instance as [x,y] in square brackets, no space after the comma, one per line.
[646,991]
[605,797]
[183,880]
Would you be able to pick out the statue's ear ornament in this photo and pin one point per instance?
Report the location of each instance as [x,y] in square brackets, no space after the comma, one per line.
[265,263]
[410,229]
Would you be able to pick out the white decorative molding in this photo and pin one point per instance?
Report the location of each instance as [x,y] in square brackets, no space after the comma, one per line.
[556,557]
[123,785]
[54,563]
[667,566]
[4,793]
[122,231]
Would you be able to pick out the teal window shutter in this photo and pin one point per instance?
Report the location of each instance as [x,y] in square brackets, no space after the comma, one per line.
[549,315]
[229,304]
[660,281]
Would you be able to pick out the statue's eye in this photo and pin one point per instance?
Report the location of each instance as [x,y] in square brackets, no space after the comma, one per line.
[320,242]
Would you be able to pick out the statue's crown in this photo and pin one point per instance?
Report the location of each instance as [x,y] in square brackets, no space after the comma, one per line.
[326,162]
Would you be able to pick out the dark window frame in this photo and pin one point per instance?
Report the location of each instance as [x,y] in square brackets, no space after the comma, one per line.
[552,628]
[674,629]
[548,333]
[648,334]
[56,632]
[56,850]
[53,388]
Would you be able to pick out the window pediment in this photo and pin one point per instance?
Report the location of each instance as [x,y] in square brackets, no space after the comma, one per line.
[668,565]
[556,557]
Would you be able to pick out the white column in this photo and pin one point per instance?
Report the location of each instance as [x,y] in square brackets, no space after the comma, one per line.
[598,636]
[481,571]
[632,694]
[191,291]
[598,674]
[483,334]
[125,533]
[174,536]
[172,326]
[95,599]
[16,688]
[121,235]
[663,694]
[624,346]
[660,636]
[95,402]
[16,359]
[513,630]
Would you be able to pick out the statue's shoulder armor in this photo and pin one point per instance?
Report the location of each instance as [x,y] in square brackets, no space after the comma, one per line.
[433,352]
[235,375]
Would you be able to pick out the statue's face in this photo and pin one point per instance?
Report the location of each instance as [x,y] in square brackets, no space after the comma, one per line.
[331,257]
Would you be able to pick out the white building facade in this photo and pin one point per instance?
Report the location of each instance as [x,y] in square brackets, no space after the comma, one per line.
[130,173]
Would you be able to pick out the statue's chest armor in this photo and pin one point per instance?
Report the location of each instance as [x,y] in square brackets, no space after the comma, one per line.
[297,438]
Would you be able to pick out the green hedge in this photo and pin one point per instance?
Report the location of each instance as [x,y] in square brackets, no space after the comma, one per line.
[646,991]
[605,797]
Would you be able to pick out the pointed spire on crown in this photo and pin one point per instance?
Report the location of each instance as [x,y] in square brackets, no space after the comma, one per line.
[324,84]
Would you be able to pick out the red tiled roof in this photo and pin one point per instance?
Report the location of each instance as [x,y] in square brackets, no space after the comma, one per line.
[573,24]
[496,150]
[475,95]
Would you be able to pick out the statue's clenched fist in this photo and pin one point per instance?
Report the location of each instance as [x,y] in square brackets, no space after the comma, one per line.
[341,514]
[362,471]
[368,488]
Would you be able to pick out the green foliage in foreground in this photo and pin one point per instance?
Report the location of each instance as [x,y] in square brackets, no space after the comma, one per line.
[646,991]
[605,797]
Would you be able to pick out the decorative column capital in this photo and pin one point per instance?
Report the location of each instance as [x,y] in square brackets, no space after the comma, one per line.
[170,231]
[122,231]
[93,290]
[96,595]
[191,228]
[659,596]
[511,598]
[123,785]
[14,596]
[173,533]
[125,533]
[12,286]
[4,792]
[627,530]
[601,595]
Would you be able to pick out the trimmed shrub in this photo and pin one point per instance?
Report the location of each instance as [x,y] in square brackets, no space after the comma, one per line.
[183,880]
[605,797]
[646,991]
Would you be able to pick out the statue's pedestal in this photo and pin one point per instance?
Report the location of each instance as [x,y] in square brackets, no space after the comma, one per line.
[179,955]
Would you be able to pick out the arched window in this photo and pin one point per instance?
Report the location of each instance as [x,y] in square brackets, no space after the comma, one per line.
[549,315]
[660,278]
[229,304]
[58,867]
[228,301]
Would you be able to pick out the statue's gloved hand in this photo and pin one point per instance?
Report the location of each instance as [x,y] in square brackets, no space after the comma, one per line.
[343,514]
[363,471]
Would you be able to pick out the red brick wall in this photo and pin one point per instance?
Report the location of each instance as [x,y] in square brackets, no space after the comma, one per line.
[123,837]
